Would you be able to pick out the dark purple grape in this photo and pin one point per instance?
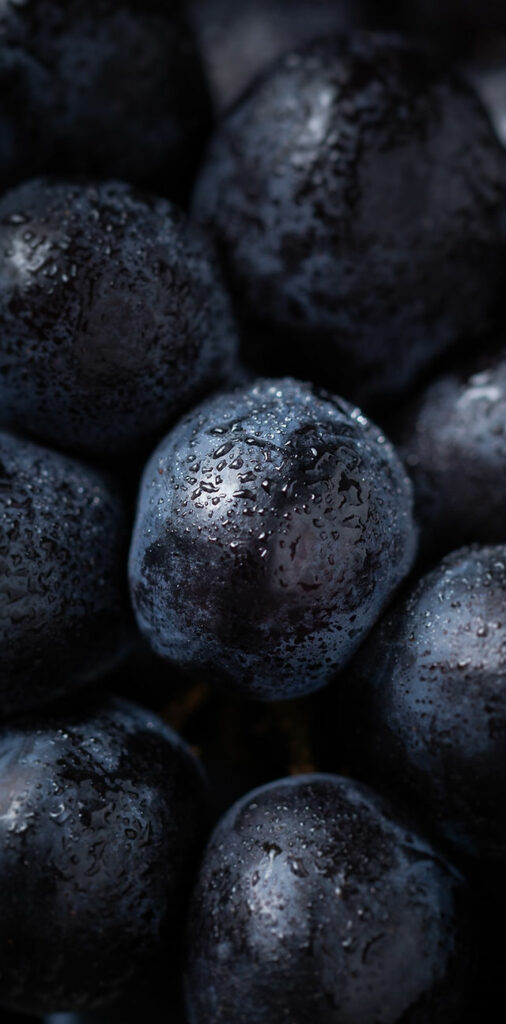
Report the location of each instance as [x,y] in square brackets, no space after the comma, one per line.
[315,905]
[424,705]
[112,88]
[357,244]
[113,318]
[64,615]
[453,440]
[102,811]
[273,525]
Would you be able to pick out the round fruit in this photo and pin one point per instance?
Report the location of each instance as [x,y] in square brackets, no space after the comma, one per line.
[64,616]
[454,444]
[316,906]
[102,810]
[356,241]
[101,87]
[273,525]
[424,707]
[113,318]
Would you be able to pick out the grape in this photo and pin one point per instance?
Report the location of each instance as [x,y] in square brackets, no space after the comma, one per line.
[273,525]
[357,243]
[454,444]
[113,319]
[102,812]
[424,705]
[315,905]
[64,615]
[101,87]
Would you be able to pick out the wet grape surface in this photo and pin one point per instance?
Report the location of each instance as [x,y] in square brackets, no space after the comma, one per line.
[357,244]
[113,317]
[273,525]
[425,702]
[252,529]
[64,614]
[314,905]
[101,87]
[102,809]
[453,441]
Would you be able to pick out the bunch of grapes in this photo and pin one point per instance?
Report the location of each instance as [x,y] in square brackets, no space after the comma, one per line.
[252,511]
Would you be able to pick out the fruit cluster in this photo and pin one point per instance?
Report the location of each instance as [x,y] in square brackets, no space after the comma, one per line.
[252,511]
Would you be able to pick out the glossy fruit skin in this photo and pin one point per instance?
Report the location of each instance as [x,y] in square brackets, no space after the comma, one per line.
[272,527]
[424,706]
[355,242]
[453,441]
[315,905]
[113,318]
[103,812]
[107,88]
[64,615]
